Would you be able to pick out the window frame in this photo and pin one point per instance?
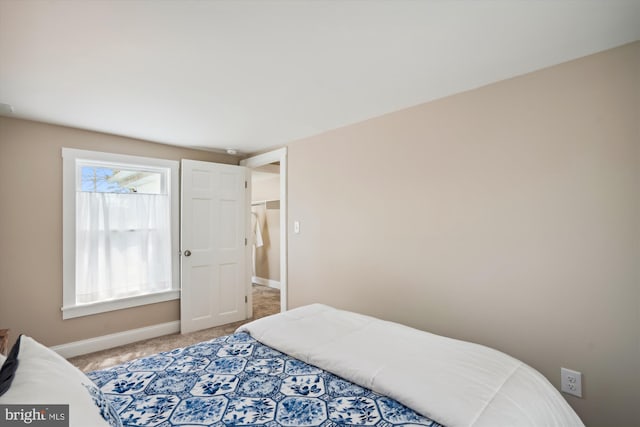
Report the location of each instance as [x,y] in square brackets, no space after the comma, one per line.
[70,159]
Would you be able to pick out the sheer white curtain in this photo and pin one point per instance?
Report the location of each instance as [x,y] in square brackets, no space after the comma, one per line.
[123,245]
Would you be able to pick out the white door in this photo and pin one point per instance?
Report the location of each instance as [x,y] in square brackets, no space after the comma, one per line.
[214,249]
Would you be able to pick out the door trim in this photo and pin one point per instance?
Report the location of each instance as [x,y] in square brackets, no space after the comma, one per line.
[260,160]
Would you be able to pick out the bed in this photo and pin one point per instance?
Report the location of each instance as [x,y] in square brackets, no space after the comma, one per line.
[319,366]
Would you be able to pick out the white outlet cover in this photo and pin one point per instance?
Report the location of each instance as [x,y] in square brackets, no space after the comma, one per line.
[571,382]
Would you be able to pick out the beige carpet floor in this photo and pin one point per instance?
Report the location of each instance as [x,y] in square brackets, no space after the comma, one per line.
[266,301]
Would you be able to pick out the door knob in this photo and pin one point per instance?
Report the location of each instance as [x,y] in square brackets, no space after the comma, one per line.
[187,253]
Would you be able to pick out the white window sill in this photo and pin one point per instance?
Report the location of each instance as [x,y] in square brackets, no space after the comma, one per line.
[101,307]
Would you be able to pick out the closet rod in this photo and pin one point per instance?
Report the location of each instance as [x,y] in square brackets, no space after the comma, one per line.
[269,204]
[263,202]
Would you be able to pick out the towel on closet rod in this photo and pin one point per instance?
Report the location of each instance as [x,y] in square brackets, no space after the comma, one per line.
[257,233]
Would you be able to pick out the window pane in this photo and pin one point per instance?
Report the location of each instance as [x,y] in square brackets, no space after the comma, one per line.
[123,233]
[100,179]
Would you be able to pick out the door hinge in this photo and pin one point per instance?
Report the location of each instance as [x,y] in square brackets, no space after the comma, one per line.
[245,241]
[246,299]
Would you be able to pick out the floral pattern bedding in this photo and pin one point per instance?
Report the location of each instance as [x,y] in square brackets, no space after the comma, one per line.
[235,380]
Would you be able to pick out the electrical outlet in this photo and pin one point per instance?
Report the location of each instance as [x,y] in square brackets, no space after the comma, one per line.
[571,382]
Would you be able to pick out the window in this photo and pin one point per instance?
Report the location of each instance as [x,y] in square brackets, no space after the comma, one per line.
[120,231]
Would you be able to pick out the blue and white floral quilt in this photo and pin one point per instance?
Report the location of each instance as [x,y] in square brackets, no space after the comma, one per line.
[236,381]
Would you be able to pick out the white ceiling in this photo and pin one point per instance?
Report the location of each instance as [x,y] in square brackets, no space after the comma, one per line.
[250,75]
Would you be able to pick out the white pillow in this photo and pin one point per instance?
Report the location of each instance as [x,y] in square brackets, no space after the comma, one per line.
[43,377]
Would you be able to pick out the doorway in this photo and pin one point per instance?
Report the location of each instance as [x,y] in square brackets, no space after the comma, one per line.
[271,162]
[265,247]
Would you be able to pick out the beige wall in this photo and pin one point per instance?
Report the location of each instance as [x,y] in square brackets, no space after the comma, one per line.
[31,231]
[266,189]
[508,216]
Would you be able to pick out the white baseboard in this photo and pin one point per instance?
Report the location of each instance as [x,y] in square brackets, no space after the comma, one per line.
[265,282]
[104,342]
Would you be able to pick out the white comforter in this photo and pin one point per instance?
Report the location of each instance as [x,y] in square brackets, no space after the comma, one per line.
[454,382]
